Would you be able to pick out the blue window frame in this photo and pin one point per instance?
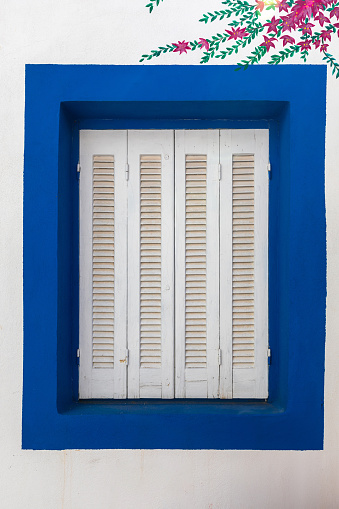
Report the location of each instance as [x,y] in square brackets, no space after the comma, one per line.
[291,102]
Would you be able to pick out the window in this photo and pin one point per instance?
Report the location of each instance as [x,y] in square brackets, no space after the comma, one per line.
[60,100]
[173,264]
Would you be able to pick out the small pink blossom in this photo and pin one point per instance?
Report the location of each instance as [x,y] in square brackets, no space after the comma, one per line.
[335,12]
[181,46]
[323,47]
[283,5]
[237,33]
[203,44]
[272,25]
[287,39]
[307,28]
[317,43]
[326,35]
[288,22]
[322,19]
[268,42]
[305,45]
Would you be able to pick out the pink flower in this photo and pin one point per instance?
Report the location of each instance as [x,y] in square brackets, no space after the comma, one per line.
[323,47]
[317,43]
[288,22]
[204,44]
[260,5]
[305,45]
[268,42]
[237,33]
[283,5]
[272,25]
[181,46]
[335,12]
[287,39]
[337,26]
[307,28]
[321,18]
[326,34]
[305,8]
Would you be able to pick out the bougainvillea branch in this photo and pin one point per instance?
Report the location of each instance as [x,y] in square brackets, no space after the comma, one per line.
[296,27]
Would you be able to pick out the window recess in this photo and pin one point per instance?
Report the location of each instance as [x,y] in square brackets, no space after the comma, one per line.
[173,264]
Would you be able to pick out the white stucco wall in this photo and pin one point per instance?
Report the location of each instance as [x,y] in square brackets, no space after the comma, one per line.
[117,32]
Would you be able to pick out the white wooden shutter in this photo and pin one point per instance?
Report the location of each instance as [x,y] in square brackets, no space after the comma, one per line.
[103,255]
[244,262]
[151,264]
[197,264]
[221,252]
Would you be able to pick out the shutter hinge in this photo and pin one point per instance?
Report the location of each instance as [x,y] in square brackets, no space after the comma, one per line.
[127,171]
[127,357]
[78,170]
[219,171]
[78,356]
[269,171]
[219,357]
[269,356]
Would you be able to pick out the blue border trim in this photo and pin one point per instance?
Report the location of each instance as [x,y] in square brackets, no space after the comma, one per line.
[62,99]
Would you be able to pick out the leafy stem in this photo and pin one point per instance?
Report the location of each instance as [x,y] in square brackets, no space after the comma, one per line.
[153,3]
[238,8]
[253,58]
[157,52]
[331,61]
[283,54]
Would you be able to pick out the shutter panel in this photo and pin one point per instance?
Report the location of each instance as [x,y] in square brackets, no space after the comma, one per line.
[244,155]
[151,264]
[197,264]
[103,244]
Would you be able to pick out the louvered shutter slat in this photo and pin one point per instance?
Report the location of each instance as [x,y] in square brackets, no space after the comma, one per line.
[243,262]
[195,347]
[150,271]
[103,250]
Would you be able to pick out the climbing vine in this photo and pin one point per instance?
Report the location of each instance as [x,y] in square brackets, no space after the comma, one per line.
[296,27]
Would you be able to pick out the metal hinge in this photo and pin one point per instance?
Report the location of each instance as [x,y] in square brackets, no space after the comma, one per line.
[269,356]
[127,171]
[219,357]
[78,170]
[219,171]
[269,171]
[78,356]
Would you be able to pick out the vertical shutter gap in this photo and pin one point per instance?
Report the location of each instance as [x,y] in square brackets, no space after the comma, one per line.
[195,270]
[103,262]
[243,261]
[150,261]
